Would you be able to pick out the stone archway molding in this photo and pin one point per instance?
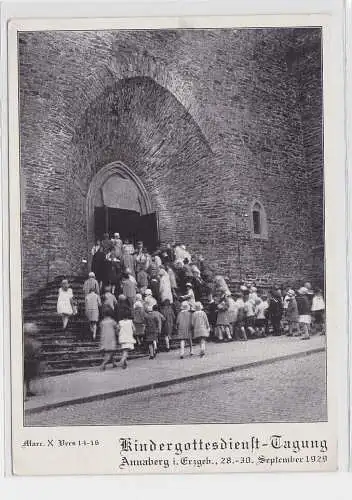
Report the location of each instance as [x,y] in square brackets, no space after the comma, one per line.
[116,168]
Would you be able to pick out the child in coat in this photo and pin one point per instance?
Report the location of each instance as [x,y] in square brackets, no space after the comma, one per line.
[223,326]
[292,314]
[212,315]
[249,309]
[318,311]
[304,310]
[129,288]
[153,325]
[142,280]
[184,328]
[92,305]
[200,325]
[139,315]
[260,313]
[108,336]
[123,307]
[109,299]
[240,330]
[232,313]
[149,300]
[167,311]
[126,331]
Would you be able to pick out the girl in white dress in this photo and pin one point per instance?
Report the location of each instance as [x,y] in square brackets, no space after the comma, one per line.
[65,303]
[127,332]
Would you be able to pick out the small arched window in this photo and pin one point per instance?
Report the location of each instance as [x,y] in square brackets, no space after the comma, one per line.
[258,221]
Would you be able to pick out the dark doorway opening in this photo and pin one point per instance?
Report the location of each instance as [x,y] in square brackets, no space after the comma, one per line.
[131,225]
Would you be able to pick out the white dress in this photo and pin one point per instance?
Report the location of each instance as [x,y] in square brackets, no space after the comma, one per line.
[64,302]
[126,334]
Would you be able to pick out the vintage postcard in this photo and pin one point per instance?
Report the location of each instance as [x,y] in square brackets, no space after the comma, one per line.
[174,244]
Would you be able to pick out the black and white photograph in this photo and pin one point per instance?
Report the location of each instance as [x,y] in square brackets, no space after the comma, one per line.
[172,226]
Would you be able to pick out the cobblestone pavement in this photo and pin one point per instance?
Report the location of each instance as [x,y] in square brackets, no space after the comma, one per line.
[167,367]
[284,391]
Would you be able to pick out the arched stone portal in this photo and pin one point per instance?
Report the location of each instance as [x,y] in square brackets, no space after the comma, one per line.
[115,187]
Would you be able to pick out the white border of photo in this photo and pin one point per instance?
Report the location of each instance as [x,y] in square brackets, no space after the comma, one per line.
[336,221]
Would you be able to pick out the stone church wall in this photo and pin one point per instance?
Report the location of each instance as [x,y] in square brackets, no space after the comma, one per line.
[209,122]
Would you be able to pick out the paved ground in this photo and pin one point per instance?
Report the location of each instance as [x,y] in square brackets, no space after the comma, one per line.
[284,391]
[166,369]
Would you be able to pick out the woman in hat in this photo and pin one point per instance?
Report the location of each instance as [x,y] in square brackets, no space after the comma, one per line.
[304,317]
[201,327]
[98,266]
[184,328]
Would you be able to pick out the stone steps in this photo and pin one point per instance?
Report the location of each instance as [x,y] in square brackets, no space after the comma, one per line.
[72,350]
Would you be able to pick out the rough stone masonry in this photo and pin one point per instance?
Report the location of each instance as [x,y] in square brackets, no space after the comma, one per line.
[211,121]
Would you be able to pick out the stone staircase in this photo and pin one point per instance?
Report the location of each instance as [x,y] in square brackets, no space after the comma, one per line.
[64,351]
[72,350]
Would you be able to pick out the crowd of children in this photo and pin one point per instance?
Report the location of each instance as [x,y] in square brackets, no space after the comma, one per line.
[138,298]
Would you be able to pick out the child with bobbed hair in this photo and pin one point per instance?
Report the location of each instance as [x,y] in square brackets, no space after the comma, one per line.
[108,336]
[201,327]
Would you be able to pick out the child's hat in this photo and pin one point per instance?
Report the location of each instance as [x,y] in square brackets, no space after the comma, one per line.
[107,311]
[148,292]
[138,296]
[189,285]
[291,292]
[30,328]
[198,306]
[91,275]
[185,306]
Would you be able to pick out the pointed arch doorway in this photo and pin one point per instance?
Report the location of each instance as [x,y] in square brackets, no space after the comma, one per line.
[117,202]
